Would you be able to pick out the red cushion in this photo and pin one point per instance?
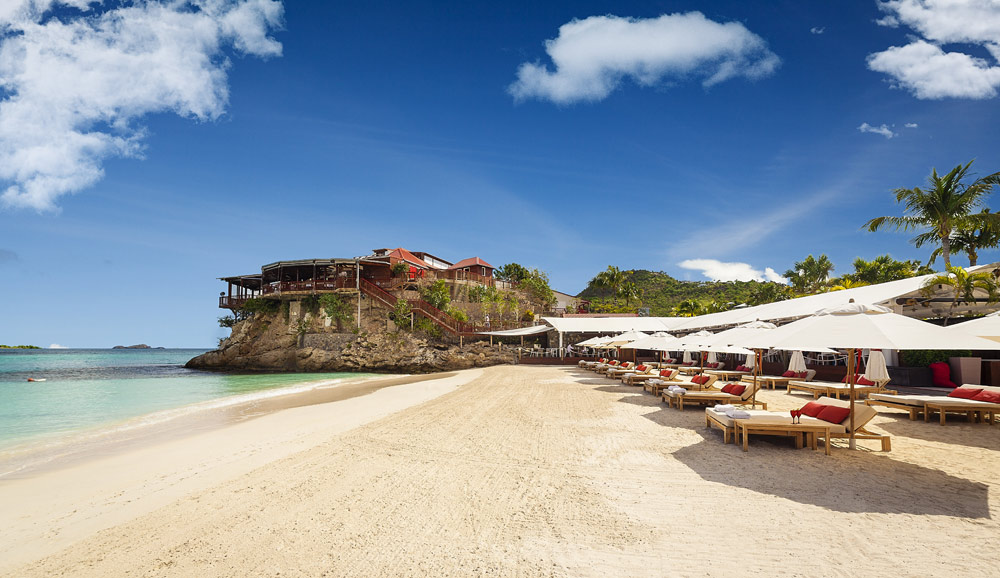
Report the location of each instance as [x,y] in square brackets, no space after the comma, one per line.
[700,379]
[941,374]
[704,379]
[833,414]
[990,396]
[665,372]
[802,374]
[965,392]
[788,373]
[812,409]
[728,387]
[844,380]
[737,389]
[641,367]
[615,362]
[863,381]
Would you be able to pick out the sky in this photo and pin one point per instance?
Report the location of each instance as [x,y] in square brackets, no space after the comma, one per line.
[148,148]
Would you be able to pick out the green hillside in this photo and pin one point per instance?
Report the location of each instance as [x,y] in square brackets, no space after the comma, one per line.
[661,293]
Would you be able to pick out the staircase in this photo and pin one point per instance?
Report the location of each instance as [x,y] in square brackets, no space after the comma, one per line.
[440,318]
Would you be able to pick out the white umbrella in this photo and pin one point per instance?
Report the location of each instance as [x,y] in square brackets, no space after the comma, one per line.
[712,358]
[687,357]
[626,338]
[856,326]
[986,327]
[876,370]
[592,341]
[696,341]
[798,362]
[659,341]
[751,360]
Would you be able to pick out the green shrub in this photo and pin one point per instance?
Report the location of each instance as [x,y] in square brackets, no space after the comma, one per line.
[228,321]
[261,305]
[528,315]
[310,304]
[458,314]
[337,308]
[400,314]
[401,268]
[437,294]
[286,309]
[925,357]
[427,326]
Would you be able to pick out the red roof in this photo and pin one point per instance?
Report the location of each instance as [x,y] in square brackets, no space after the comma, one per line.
[405,255]
[470,262]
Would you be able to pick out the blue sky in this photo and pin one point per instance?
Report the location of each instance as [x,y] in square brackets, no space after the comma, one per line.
[253,131]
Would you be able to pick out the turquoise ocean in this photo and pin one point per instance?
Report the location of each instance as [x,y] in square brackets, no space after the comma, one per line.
[94,394]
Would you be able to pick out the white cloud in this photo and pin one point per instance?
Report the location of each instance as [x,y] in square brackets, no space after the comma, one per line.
[911,125]
[817,30]
[76,86]
[592,56]
[720,271]
[926,69]
[57,346]
[882,130]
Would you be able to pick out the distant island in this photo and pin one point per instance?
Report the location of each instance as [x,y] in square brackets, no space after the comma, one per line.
[139,346]
[19,347]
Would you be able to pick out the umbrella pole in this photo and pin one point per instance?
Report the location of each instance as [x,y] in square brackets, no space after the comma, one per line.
[756,370]
[850,377]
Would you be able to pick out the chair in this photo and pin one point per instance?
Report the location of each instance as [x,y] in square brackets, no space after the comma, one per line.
[746,396]
[928,404]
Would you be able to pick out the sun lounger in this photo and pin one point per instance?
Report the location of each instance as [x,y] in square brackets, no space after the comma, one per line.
[588,364]
[604,367]
[641,378]
[616,372]
[713,396]
[779,423]
[928,404]
[835,388]
[771,381]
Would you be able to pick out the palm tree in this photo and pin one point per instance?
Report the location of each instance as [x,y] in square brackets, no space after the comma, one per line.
[611,278]
[688,308]
[970,238]
[945,206]
[630,292]
[810,274]
[846,282]
[882,269]
[964,285]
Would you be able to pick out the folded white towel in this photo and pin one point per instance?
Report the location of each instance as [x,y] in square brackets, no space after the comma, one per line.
[723,407]
[655,381]
[680,391]
[738,414]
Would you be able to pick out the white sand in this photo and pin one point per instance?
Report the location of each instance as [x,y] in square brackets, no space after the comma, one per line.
[522,471]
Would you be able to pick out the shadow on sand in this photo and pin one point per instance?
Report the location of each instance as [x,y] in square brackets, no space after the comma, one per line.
[860,481]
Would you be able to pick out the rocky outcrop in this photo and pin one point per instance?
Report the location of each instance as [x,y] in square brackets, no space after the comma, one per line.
[267,344]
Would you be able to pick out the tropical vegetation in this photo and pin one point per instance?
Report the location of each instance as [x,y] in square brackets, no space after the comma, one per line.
[942,210]
[964,287]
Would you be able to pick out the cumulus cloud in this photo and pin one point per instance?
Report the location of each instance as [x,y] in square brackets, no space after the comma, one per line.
[817,30]
[911,125]
[721,271]
[924,67]
[8,256]
[76,85]
[57,346]
[882,130]
[591,57]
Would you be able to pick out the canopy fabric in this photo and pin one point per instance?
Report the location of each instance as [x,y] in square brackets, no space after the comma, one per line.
[687,357]
[876,370]
[657,342]
[534,330]
[789,309]
[986,327]
[696,341]
[592,341]
[626,338]
[798,362]
[608,324]
[858,326]
[712,358]
[751,360]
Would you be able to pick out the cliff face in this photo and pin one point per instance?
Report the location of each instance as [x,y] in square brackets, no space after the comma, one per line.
[268,343]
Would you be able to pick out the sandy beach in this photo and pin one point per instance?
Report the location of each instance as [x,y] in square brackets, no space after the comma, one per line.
[513,471]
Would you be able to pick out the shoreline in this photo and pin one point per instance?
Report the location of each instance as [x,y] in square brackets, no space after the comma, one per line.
[56,505]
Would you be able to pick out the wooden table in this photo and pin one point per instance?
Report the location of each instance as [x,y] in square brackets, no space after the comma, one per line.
[727,374]
[745,427]
[985,413]
[690,370]
[769,381]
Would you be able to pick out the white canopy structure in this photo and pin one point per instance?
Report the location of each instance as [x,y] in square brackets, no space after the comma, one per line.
[857,326]
[533,330]
[660,341]
[986,327]
[626,338]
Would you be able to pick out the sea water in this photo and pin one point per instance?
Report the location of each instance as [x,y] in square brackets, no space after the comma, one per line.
[93,393]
